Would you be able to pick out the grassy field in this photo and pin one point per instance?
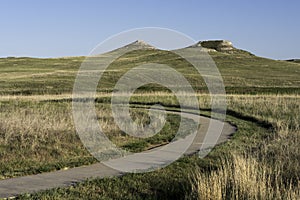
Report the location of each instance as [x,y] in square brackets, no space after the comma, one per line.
[261,161]
[242,72]
[262,158]
[40,136]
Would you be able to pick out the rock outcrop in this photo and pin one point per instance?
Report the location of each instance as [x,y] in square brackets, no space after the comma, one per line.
[217,45]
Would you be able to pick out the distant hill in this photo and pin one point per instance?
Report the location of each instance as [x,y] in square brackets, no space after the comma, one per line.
[138,44]
[242,72]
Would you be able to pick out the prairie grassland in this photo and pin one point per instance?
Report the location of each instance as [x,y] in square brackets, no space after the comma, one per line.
[37,132]
[37,136]
[242,72]
[267,168]
[261,161]
[271,169]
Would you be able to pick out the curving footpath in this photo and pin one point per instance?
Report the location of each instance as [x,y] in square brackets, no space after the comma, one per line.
[62,178]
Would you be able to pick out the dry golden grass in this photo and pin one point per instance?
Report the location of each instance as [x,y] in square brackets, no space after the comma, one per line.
[269,172]
[280,110]
[242,177]
[37,137]
[37,132]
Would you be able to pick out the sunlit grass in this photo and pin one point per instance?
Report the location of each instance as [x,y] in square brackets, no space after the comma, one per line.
[37,136]
[261,161]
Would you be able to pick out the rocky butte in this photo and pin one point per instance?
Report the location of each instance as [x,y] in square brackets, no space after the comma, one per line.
[217,45]
[224,46]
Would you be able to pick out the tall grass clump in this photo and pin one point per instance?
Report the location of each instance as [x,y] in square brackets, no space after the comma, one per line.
[270,168]
[242,177]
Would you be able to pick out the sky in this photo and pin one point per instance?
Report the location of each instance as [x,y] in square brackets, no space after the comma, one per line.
[57,28]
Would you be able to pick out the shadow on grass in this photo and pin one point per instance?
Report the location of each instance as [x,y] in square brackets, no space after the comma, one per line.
[261,123]
[169,107]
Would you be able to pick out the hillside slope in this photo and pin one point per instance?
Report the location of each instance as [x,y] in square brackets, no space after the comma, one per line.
[242,72]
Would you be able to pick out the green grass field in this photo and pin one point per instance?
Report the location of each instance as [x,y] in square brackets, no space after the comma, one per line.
[261,161]
[242,72]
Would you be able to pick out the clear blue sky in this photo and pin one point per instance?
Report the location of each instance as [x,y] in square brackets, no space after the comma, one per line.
[54,28]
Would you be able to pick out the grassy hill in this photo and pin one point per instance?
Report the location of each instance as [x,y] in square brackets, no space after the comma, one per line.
[242,72]
[260,161]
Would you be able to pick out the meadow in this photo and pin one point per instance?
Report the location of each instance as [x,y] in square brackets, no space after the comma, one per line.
[260,161]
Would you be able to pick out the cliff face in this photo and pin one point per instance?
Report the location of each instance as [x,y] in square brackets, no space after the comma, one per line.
[217,45]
